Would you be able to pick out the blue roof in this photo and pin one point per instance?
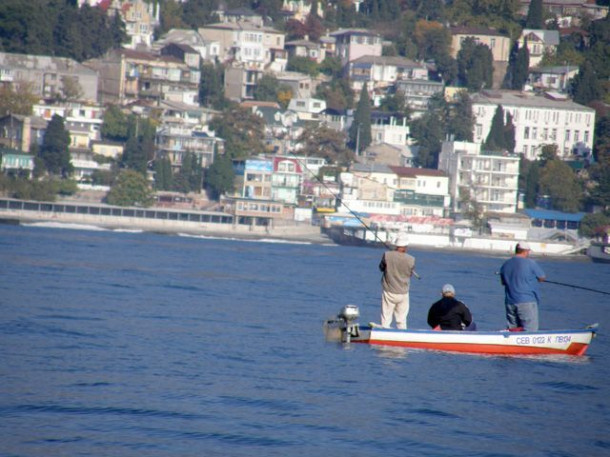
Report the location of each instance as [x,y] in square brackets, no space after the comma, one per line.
[547,214]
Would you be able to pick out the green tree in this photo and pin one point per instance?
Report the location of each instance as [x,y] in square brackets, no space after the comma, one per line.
[509,134]
[266,88]
[196,13]
[163,174]
[558,181]
[321,141]
[114,126]
[471,209]
[475,65]
[220,176]
[171,17]
[428,131]
[496,140]
[599,192]
[518,67]
[54,151]
[190,176]
[591,224]
[130,189]
[17,99]
[338,94]
[360,136]
[529,178]
[461,119]
[432,39]
[586,85]
[303,65]
[535,19]
[211,86]
[242,131]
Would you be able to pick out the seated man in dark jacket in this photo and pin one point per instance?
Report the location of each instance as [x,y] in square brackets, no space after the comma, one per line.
[449,313]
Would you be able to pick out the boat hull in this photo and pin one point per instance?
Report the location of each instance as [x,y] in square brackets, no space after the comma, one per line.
[599,252]
[569,342]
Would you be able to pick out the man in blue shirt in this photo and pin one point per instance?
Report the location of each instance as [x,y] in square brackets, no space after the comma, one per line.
[520,276]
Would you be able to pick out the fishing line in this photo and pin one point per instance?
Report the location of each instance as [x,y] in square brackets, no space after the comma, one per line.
[578,287]
[352,212]
[572,285]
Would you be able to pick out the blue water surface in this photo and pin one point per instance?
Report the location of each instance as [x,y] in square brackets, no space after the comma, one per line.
[134,344]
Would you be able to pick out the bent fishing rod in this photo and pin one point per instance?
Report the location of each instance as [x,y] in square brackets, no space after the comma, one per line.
[353,213]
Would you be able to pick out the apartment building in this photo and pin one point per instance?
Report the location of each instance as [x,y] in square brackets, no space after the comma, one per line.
[378,189]
[383,71]
[49,77]
[126,75]
[491,178]
[351,44]
[538,120]
[174,141]
[252,45]
[140,19]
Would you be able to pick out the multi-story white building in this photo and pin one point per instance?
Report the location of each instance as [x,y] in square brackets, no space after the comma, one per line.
[246,43]
[140,20]
[382,72]
[538,120]
[351,44]
[174,141]
[395,191]
[79,119]
[491,178]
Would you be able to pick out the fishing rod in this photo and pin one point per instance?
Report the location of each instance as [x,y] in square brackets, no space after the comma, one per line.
[353,213]
[572,285]
[578,287]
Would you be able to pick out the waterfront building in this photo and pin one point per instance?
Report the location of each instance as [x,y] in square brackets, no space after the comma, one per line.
[490,178]
[538,120]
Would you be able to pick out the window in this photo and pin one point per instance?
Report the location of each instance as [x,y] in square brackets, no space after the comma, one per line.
[567,135]
[576,136]
[526,133]
[586,137]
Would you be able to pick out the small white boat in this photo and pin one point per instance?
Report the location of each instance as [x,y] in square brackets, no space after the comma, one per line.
[344,328]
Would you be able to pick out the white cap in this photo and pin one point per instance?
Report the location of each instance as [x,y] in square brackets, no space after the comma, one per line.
[401,241]
[524,246]
[448,289]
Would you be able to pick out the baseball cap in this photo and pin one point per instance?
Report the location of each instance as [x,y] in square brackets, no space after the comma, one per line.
[524,245]
[448,289]
[402,241]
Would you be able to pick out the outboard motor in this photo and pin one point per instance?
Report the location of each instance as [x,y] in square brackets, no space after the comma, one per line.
[349,314]
[344,326]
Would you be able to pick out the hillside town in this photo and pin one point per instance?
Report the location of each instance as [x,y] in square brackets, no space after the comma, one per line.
[326,114]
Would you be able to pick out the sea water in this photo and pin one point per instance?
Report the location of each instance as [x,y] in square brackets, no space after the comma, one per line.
[136,344]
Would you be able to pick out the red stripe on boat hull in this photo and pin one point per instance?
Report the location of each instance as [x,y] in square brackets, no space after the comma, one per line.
[573,349]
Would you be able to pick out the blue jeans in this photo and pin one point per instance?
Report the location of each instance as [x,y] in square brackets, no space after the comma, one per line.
[522,315]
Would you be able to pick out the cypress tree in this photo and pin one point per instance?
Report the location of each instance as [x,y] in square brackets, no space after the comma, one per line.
[586,85]
[495,139]
[54,151]
[521,67]
[360,130]
[509,134]
[535,18]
